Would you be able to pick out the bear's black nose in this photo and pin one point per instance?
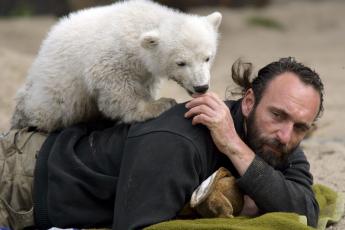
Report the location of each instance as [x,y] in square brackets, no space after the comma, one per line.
[201,88]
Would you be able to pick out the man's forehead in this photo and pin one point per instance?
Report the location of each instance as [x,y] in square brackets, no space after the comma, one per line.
[288,92]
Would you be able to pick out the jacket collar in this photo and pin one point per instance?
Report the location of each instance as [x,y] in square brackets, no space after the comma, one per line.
[237,116]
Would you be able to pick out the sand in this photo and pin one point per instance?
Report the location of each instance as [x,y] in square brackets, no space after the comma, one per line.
[311,31]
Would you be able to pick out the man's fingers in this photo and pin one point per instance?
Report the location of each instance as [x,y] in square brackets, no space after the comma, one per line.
[200,109]
[211,95]
[203,100]
[216,98]
[202,119]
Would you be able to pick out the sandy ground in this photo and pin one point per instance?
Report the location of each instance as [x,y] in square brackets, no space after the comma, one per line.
[313,32]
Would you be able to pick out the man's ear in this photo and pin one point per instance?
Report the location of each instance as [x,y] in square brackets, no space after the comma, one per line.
[215,19]
[149,39]
[248,102]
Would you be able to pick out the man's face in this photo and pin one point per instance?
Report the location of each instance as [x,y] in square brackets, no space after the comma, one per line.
[279,122]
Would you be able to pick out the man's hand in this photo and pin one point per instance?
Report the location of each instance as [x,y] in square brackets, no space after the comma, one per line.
[249,207]
[208,109]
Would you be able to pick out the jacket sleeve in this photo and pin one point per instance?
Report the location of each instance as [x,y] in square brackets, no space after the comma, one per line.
[282,191]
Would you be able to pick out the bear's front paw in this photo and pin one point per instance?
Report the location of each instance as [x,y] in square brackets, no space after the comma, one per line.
[166,102]
[161,105]
[147,110]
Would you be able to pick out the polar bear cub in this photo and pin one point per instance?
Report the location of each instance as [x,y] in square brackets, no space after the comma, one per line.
[110,60]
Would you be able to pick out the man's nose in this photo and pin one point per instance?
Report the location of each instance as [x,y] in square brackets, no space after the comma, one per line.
[285,133]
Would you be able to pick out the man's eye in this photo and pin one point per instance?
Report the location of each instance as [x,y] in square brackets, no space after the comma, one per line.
[301,128]
[276,114]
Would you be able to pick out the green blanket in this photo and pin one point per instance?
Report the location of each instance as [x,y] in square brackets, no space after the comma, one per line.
[331,205]
[331,209]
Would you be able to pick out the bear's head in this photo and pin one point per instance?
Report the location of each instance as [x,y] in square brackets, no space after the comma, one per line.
[183,49]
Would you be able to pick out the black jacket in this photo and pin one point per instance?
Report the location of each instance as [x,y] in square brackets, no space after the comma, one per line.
[129,177]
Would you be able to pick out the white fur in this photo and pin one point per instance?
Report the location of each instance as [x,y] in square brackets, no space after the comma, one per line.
[110,60]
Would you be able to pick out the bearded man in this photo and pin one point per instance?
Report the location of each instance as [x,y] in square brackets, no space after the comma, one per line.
[128,176]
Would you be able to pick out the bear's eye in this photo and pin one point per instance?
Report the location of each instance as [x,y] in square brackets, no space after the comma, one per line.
[181,63]
[207,59]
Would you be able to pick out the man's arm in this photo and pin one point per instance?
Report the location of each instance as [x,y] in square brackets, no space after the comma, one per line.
[208,109]
[259,180]
[287,191]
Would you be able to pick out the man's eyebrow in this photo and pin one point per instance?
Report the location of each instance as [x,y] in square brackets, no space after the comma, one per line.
[281,111]
[303,125]
[287,115]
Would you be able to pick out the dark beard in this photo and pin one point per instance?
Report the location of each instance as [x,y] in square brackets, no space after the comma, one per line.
[257,142]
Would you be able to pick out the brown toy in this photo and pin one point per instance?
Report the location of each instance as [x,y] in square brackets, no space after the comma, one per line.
[218,196]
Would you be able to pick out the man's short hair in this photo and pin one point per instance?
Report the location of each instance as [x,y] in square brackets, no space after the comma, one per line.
[242,71]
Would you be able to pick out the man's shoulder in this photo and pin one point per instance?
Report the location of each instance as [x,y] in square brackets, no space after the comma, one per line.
[170,122]
[298,157]
[298,154]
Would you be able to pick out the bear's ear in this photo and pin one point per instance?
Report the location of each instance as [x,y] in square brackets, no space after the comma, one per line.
[215,19]
[149,39]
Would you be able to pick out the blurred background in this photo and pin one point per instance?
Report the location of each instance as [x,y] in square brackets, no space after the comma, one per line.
[259,31]
[63,7]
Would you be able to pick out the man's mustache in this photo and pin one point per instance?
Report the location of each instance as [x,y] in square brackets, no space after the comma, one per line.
[277,145]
